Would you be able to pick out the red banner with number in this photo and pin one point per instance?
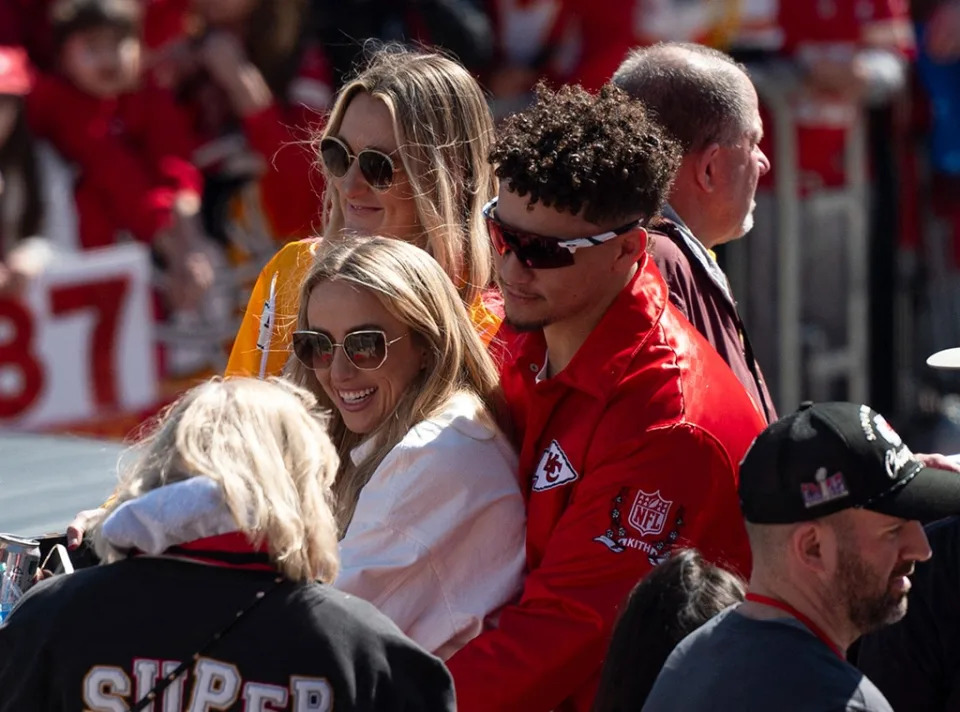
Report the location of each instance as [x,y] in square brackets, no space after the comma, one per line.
[79,345]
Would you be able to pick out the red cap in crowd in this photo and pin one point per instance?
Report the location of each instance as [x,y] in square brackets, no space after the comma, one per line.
[14,71]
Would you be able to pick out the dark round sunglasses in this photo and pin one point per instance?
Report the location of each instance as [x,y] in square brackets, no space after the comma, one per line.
[366,349]
[540,251]
[376,167]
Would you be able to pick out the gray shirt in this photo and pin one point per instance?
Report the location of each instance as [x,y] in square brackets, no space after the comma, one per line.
[738,663]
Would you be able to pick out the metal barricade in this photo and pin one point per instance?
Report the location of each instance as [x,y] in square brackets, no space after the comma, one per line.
[808,365]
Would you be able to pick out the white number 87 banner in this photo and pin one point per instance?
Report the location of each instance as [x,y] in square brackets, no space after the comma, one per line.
[80,342]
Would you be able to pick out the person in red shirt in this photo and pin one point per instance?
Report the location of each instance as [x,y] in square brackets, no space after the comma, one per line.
[630,424]
[606,35]
[26,24]
[128,140]
[850,54]
[23,251]
[258,91]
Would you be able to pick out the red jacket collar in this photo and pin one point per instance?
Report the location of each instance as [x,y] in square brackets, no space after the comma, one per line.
[233,550]
[599,365]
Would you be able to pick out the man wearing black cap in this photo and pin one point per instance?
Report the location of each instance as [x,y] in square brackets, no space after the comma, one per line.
[833,502]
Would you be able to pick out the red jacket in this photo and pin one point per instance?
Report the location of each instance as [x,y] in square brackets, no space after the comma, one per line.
[632,450]
[26,23]
[834,29]
[292,187]
[132,153]
[289,190]
[607,31]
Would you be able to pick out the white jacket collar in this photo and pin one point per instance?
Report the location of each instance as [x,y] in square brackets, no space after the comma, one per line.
[462,412]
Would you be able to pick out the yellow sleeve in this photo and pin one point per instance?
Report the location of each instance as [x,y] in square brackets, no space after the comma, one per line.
[484,321]
[290,265]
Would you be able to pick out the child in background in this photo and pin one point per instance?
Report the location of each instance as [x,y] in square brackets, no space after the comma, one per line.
[23,253]
[257,89]
[128,140]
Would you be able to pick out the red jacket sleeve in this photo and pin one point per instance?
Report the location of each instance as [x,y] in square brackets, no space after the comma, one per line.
[292,187]
[164,132]
[547,647]
[82,129]
[890,28]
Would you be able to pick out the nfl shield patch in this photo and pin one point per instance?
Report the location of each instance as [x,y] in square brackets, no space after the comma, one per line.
[649,513]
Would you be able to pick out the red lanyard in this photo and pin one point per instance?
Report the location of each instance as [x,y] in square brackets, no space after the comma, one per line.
[811,626]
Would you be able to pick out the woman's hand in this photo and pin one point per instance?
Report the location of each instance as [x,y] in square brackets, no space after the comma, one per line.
[80,524]
[226,61]
[937,461]
[943,33]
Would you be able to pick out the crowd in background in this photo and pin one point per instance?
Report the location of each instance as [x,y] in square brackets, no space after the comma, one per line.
[187,126]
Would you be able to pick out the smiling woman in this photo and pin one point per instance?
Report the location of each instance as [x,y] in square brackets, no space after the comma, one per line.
[403,156]
[428,503]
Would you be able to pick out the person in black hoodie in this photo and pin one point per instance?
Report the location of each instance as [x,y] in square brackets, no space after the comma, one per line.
[221,538]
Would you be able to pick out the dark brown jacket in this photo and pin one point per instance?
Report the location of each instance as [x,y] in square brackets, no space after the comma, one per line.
[696,290]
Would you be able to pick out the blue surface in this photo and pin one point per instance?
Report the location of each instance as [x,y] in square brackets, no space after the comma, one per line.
[45,480]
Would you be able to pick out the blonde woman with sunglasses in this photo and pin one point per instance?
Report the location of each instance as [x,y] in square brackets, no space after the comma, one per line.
[428,502]
[403,156]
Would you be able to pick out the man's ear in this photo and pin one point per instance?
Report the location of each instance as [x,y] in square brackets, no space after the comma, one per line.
[632,245]
[705,168]
[810,547]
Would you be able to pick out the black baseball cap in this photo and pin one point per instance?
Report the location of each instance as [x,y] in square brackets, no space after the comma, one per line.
[827,457]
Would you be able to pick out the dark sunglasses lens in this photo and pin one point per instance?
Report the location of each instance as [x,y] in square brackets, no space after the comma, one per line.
[536,252]
[312,349]
[376,169]
[366,350]
[335,157]
[496,236]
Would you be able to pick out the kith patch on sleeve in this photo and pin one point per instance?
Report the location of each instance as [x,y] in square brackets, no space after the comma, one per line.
[649,516]
[554,469]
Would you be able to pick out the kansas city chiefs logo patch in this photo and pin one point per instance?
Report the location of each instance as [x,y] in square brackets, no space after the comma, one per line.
[554,469]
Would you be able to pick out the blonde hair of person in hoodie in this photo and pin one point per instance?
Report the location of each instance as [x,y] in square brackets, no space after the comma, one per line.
[265,444]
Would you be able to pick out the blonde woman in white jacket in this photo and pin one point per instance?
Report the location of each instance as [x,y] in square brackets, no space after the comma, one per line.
[428,503]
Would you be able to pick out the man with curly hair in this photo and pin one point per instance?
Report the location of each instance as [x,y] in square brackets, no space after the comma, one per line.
[631,425]
[711,202]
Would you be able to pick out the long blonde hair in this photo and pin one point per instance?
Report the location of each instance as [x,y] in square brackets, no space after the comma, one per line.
[414,289]
[265,444]
[444,133]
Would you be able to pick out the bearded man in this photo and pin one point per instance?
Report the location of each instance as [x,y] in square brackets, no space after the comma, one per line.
[834,504]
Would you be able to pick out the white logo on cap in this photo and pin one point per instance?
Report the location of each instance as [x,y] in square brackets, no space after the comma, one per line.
[887,432]
[865,423]
[895,459]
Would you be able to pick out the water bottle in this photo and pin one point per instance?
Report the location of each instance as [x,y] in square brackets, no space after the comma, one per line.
[19,560]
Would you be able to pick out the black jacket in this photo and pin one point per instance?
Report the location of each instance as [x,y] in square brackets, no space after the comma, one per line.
[99,638]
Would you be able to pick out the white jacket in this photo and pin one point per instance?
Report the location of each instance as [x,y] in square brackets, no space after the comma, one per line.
[437,538]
